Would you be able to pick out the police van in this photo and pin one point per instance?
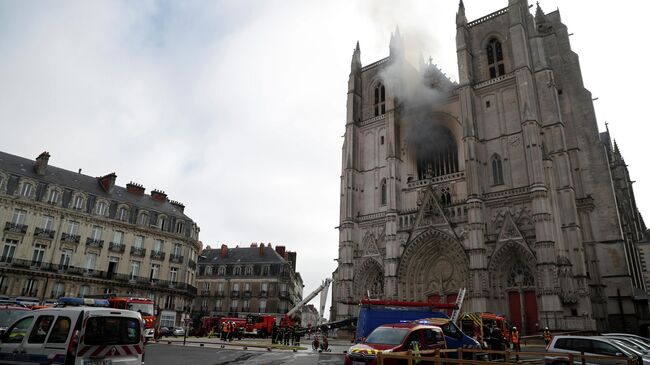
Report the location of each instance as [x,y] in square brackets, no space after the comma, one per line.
[74,336]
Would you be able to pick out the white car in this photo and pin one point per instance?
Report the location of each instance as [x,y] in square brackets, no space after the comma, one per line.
[178,331]
[74,335]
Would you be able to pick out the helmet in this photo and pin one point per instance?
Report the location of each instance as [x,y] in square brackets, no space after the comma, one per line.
[546,328]
[514,328]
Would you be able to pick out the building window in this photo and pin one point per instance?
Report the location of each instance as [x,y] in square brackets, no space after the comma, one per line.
[162,222]
[31,288]
[84,290]
[37,256]
[222,270]
[58,290]
[144,219]
[66,256]
[208,270]
[497,170]
[262,306]
[380,99]
[180,227]
[265,270]
[158,245]
[495,59]
[73,228]
[218,304]
[249,270]
[169,302]
[96,233]
[155,272]
[206,287]
[234,305]
[78,202]
[91,261]
[19,217]
[47,222]
[123,214]
[26,189]
[383,192]
[237,271]
[8,250]
[176,250]
[135,269]
[138,242]
[173,274]
[53,197]
[102,208]
[118,237]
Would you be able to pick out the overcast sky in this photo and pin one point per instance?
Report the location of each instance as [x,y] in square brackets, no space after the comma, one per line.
[237,108]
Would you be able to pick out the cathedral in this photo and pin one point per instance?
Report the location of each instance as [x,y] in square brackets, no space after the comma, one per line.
[499,183]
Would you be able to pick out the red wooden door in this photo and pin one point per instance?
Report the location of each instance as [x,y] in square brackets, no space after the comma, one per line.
[514,303]
[532,319]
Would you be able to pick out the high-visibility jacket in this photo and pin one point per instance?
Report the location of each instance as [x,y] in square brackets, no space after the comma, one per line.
[515,337]
[547,335]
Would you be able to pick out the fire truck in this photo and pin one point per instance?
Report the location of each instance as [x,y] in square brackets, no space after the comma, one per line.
[288,320]
[144,306]
[478,324]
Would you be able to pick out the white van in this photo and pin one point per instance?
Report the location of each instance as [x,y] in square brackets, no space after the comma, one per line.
[74,336]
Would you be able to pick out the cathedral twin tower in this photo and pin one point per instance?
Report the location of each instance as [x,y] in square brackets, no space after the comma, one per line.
[500,184]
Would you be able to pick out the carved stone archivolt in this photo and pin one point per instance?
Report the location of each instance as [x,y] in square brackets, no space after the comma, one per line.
[369,279]
[512,266]
[433,263]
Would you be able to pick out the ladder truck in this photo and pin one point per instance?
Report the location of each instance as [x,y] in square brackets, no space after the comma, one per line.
[288,320]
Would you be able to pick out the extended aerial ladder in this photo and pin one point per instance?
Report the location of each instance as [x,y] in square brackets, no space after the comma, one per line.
[321,288]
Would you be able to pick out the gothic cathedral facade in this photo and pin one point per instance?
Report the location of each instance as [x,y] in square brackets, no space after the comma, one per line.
[500,184]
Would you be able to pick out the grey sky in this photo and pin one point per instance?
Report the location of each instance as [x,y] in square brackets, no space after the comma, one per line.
[237,108]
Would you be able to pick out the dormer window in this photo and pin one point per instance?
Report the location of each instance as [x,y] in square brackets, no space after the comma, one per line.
[249,270]
[123,214]
[222,270]
[162,222]
[78,202]
[180,227]
[143,220]
[237,271]
[26,189]
[495,59]
[102,208]
[53,197]
[380,99]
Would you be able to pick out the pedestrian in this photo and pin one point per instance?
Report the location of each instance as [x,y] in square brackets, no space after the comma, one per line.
[274,333]
[224,330]
[547,336]
[516,342]
[287,335]
[496,341]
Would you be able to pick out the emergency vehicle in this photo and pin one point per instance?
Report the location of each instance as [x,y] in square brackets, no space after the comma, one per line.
[9,313]
[478,324]
[77,335]
[144,306]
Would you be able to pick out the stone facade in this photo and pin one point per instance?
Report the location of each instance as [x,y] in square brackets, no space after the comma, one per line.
[247,280]
[500,183]
[69,234]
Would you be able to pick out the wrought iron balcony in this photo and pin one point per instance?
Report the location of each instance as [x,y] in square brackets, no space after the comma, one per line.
[15,227]
[44,233]
[71,238]
[91,242]
[138,251]
[177,259]
[157,255]
[116,247]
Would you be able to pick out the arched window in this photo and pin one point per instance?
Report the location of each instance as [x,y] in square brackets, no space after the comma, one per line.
[495,59]
[383,192]
[222,270]
[380,99]
[237,271]
[497,170]
[434,159]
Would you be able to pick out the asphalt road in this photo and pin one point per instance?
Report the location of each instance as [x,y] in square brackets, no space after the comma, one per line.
[158,354]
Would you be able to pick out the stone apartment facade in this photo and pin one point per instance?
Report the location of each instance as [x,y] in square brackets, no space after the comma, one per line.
[241,281]
[69,234]
[500,183]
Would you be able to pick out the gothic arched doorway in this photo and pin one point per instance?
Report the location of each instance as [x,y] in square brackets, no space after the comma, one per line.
[433,267]
[369,280]
[512,276]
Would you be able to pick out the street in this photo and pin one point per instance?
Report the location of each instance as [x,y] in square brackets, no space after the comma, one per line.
[157,354]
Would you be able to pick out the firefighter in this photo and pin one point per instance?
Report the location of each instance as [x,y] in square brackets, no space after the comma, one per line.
[516,341]
[287,336]
[274,333]
[547,336]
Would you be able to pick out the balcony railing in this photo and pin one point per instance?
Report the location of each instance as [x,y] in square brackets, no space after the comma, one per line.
[234,294]
[177,259]
[91,242]
[116,247]
[157,255]
[44,233]
[79,271]
[15,227]
[138,251]
[71,238]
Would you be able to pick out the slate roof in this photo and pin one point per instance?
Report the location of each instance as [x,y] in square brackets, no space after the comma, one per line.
[21,166]
[241,255]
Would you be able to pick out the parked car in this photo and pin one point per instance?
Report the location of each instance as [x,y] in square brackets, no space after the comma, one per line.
[629,335]
[9,313]
[590,346]
[165,331]
[630,342]
[178,331]
[393,338]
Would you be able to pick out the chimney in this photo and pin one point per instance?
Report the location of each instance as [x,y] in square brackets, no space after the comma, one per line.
[107,182]
[292,259]
[254,245]
[158,195]
[280,250]
[41,163]
[177,205]
[135,189]
[224,251]
[262,249]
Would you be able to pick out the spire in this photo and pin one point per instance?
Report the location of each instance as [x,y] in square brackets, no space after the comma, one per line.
[396,44]
[461,19]
[617,152]
[540,17]
[355,65]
